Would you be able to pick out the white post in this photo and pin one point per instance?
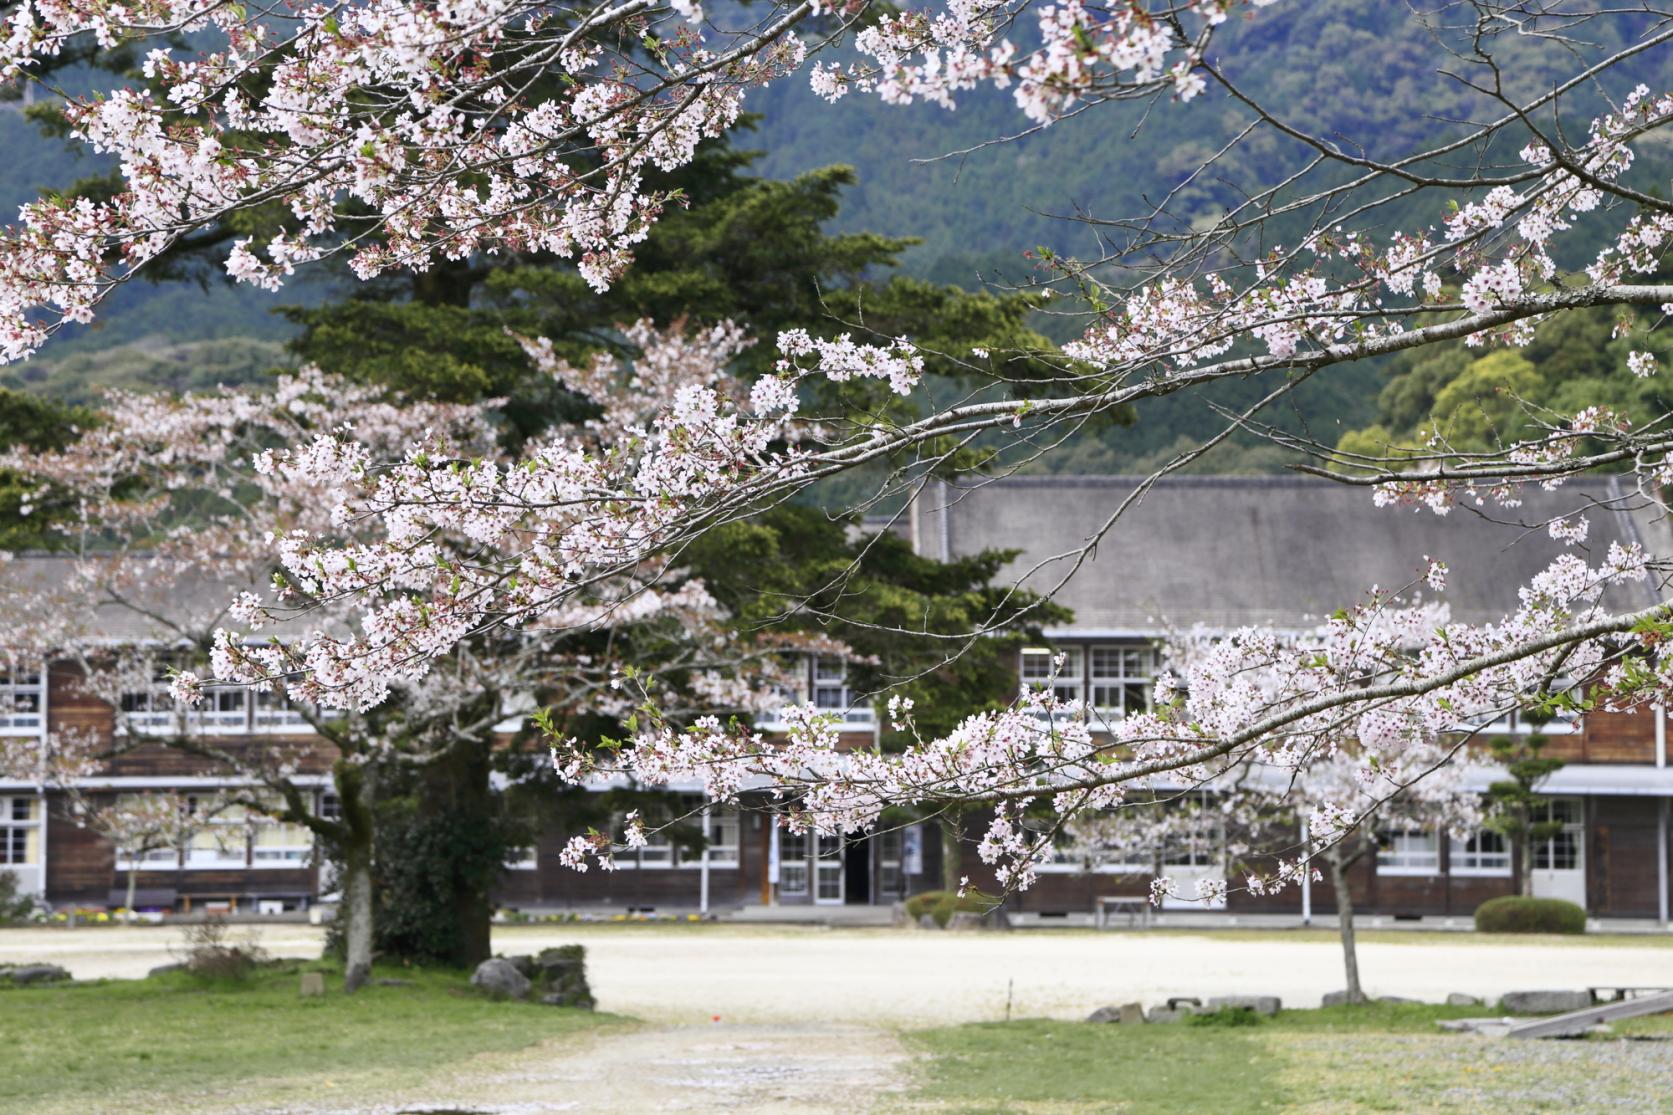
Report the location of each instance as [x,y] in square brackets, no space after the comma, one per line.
[703,871]
[1306,881]
[1661,735]
[1661,860]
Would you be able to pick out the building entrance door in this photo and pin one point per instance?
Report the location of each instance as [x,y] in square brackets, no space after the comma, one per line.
[1560,862]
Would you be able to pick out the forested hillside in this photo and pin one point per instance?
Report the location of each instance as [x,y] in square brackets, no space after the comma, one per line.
[976,207]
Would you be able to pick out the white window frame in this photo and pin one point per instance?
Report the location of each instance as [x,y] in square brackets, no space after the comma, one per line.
[795,872]
[1572,835]
[22,683]
[726,832]
[1141,657]
[27,829]
[1467,857]
[294,853]
[1036,667]
[221,827]
[827,675]
[1394,857]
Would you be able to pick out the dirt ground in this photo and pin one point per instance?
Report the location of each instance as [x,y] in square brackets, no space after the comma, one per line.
[901,978]
[806,1020]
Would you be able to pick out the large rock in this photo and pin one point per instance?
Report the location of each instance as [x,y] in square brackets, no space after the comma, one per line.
[500,979]
[37,973]
[526,965]
[1105,1014]
[562,976]
[1260,1004]
[1335,999]
[1459,999]
[1545,1002]
[1128,1014]
[1164,1015]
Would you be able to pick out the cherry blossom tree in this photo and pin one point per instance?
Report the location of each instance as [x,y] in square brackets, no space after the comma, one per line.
[175,517]
[395,133]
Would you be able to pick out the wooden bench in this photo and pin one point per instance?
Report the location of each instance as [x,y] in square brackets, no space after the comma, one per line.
[1619,993]
[1136,905]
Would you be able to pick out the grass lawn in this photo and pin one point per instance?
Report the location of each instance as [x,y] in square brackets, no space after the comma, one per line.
[1377,1058]
[131,1045]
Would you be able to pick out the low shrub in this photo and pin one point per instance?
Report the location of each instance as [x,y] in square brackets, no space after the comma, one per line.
[209,954]
[1518,914]
[943,904]
[15,906]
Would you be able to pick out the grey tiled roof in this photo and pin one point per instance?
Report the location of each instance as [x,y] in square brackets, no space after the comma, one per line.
[1224,551]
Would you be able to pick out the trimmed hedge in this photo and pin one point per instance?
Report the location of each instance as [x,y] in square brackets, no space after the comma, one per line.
[943,904]
[1517,914]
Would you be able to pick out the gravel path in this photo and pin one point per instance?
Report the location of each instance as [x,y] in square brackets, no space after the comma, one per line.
[686,975]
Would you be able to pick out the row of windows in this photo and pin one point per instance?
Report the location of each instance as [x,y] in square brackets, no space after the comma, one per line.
[1114,679]
[1199,839]
[822,680]
[725,831]
[225,710]
[231,838]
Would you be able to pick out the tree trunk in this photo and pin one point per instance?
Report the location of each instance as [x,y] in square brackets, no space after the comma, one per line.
[357,909]
[950,852]
[1345,919]
[354,790]
[133,885]
[1525,869]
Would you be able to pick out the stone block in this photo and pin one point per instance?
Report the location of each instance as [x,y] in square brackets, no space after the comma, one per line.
[1459,999]
[1132,1014]
[1544,1002]
[1260,1004]
[38,973]
[500,979]
[1166,1015]
[313,985]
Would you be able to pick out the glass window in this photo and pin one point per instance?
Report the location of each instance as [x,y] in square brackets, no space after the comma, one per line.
[1038,666]
[224,709]
[1560,852]
[21,697]
[1121,678]
[275,843]
[725,829]
[220,839]
[1409,853]
[831,692]
[20,830]
[149,710]
[156,850]
[1192,834]
[1484,853]
[275,712]
[792,862]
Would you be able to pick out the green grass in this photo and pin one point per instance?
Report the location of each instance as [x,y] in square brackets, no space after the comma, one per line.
[1375,1058]
[84,1046]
